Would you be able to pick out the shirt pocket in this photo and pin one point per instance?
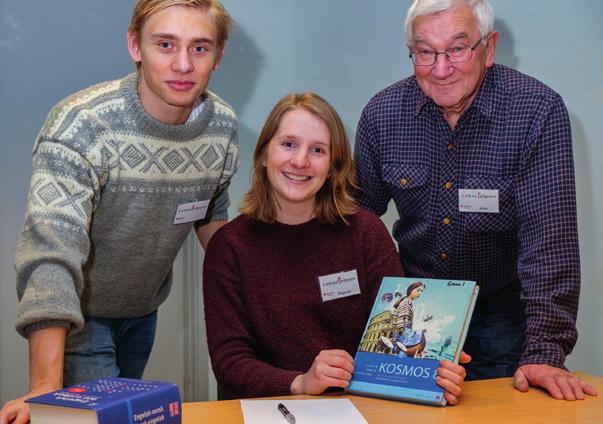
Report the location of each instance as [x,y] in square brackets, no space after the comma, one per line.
[408,187]
[505,219]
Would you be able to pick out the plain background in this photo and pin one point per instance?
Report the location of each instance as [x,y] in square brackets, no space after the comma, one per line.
[345,50]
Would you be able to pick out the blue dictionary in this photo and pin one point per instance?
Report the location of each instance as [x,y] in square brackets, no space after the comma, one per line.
[109,400]
[413,324]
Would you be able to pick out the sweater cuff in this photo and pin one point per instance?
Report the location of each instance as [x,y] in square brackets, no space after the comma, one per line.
[41,325]
[543,353]
[282,385]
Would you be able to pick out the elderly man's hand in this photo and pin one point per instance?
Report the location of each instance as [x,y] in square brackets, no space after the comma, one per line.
[560,384]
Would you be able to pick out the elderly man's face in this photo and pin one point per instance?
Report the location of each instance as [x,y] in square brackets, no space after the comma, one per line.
[452,86]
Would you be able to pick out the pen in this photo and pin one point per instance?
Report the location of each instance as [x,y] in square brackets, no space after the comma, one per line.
[288,415]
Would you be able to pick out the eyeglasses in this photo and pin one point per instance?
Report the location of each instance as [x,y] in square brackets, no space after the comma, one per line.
[453,54]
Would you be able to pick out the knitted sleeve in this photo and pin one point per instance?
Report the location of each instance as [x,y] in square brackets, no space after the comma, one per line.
[221,200]
[232,346]
[53,245]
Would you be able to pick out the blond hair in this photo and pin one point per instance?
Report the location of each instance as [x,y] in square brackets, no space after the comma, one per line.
[145,8]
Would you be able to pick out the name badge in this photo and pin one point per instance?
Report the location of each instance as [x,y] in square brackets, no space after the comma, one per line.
[484,201]
[189,212]
[341,284]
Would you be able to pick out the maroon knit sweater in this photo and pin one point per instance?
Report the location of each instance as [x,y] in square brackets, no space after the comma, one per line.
[265,318]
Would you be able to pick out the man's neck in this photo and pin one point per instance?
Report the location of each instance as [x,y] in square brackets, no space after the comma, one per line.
[453,114]
[452,117]
[165,113]
[197,109]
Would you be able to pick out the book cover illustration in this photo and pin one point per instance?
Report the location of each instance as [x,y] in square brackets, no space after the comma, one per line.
[413,324]
[110,400]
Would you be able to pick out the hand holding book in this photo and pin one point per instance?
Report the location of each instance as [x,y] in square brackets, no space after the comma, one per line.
[334,368]
[331,368]
[451,377]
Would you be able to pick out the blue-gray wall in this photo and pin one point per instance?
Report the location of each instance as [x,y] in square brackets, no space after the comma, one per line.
[345,50]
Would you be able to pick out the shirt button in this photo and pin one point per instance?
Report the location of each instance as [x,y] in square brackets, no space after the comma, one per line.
[448,185]
[444,256]
[450,146]
[403,181]
[446,221]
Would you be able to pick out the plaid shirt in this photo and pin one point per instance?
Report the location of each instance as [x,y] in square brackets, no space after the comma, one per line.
[516,138]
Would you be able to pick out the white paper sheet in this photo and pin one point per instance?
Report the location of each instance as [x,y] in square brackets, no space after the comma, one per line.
[305,411]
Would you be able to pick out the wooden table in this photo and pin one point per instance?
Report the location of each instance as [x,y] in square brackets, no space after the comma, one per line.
[487,401]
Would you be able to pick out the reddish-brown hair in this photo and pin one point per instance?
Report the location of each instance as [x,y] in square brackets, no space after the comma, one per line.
[335,200]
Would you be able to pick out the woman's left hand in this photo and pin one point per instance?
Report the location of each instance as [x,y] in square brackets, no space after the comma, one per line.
[451,377]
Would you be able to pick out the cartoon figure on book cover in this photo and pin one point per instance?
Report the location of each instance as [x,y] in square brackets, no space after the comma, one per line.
[413,321]
[409,342]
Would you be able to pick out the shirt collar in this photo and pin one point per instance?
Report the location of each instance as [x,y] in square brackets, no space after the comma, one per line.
[483,100]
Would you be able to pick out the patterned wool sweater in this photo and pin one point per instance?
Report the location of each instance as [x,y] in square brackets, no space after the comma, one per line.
[99,238]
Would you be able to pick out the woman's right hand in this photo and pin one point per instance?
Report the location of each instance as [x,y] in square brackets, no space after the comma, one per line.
[331,368]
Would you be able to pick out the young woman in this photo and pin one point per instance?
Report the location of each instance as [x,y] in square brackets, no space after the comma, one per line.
[274,327]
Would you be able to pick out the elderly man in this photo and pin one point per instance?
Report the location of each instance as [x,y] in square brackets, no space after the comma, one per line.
[478,160]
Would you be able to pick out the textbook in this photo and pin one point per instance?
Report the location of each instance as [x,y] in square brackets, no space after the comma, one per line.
[413,324]
[110,400]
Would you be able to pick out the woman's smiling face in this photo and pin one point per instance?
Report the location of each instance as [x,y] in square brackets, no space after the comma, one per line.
[298,161]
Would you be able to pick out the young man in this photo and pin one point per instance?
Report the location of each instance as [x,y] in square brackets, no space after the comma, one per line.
[121,171]
[478,159]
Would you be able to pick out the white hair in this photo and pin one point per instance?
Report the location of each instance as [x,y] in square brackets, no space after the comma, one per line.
[481,8]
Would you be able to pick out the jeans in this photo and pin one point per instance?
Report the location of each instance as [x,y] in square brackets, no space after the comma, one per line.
[496,336]
[109,347]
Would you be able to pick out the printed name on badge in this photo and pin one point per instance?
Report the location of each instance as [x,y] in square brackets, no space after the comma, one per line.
[341,284]
[484,201]
[190,212]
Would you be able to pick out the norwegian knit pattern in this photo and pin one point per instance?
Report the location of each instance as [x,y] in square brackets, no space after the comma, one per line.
[98,237]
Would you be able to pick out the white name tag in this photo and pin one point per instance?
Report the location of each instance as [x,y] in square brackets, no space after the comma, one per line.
[485,201]
[341,284]
[189,212]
